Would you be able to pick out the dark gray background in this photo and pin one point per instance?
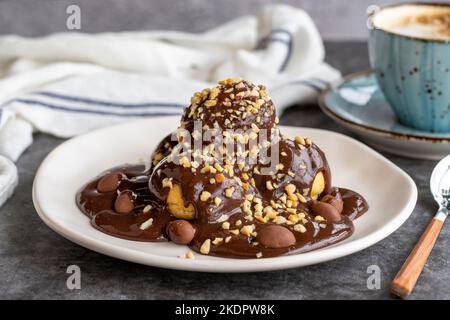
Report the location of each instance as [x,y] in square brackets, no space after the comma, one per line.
[33,259]
[336,19]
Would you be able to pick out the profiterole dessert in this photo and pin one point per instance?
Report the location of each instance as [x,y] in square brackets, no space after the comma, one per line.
[226,183]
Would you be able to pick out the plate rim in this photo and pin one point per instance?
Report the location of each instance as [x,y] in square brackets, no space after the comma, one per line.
[226,265]
[378,131]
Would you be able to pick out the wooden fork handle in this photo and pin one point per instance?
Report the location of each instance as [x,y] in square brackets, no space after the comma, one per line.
[406,278]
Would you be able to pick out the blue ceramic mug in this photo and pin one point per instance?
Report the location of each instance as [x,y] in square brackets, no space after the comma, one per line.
[409,49]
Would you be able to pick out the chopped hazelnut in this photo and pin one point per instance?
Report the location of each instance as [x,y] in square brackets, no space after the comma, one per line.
[229,192]
[147,209]
[300,228]
[247,230]
[258,207]
[206,246]
[319,218]
[214,93]
[188,255]
[240,85]
[147,224]
[301,198]
[249,197]
[280,220]
[217,241]
[218,167]
[290,188]
[205,195]
[261,219]
[167,183]
[300,140]
[255,128]
[184,161]
[270,213]
[210,103]
[217,201]
[219,177]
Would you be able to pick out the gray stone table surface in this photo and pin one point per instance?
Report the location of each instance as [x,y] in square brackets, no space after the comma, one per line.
[33,258]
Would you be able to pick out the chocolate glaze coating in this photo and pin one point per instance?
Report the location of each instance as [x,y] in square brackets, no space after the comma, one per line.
[293,158]
[192,184]
[232,101]
[100,208]
[246,209]
[335,202]
[162,150]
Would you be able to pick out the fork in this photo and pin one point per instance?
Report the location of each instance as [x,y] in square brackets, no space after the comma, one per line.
[406,278]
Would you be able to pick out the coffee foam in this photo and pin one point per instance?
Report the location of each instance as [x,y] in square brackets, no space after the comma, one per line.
[429,22]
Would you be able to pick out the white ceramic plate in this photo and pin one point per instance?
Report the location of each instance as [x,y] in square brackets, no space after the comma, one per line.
[390,192]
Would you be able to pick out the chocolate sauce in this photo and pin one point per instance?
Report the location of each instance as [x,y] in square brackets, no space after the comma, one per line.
[238,207]
[100,208]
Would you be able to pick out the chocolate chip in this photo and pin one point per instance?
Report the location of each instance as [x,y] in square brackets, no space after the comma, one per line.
[326,210]
[276,237]
[180,231]
[124,202]
[334,201]
[109,183]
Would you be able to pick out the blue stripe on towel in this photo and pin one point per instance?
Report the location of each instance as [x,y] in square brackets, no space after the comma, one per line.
[288,43]
[107,113]
[326,83]
[263,42]
[107,103]
[312,85]
[306,83]
[289,48]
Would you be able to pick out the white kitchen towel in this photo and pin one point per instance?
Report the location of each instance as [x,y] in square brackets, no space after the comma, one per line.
[70,83]
[8,179]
